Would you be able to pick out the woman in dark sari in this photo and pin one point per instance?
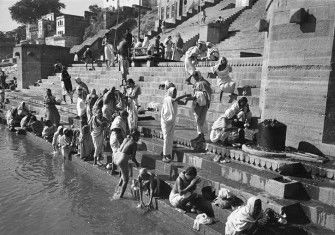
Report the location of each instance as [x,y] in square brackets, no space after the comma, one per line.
[66,85]
[51,111]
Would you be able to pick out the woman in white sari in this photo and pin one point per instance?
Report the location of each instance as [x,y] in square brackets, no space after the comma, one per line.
[243,219]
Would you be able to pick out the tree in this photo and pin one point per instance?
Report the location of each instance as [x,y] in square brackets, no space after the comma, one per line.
[29,11]
[95,9]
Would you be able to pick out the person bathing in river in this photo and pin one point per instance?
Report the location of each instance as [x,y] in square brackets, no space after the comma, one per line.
[65,143]
[126,151]
[183,189]
[48,131]
[168,119]
[56,137]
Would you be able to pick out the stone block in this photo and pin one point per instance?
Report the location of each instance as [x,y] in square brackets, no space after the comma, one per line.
[282,187]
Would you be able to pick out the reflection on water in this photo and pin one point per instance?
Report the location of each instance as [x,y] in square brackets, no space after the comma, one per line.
[38,196]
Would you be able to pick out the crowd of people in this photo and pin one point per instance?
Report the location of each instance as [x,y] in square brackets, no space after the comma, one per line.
[111,119]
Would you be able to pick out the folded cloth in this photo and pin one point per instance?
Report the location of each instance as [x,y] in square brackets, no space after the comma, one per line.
[201,219]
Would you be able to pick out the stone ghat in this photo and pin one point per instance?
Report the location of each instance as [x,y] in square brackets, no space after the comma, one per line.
[244,175]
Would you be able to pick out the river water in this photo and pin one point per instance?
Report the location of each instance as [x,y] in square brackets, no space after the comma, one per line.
[39,195]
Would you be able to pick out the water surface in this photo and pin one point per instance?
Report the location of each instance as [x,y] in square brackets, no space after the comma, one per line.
[39,195]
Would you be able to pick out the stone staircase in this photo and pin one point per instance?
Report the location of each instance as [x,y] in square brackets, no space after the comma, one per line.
[243,35]
[189,27]
[304,191]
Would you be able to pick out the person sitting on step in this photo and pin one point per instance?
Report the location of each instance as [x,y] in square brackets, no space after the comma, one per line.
[225,124]
[182,194]
[222,70]
[243,219]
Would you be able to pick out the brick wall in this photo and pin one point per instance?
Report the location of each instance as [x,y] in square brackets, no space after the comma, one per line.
[297,78]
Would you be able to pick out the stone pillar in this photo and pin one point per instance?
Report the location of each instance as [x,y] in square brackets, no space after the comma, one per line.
[297,77]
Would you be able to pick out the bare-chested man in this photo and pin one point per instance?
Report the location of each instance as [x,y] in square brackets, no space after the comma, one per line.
[126,151]
[184,187]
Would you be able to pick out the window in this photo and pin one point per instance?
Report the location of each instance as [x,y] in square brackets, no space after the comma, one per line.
[173,11]
[162,13]
[167,12]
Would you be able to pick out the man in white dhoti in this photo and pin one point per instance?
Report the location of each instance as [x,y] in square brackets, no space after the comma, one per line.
[133,91]
[168,118]
[192,56]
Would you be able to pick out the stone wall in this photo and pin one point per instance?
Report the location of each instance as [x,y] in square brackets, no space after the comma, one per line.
[6,48]
[297,78]
[35,62]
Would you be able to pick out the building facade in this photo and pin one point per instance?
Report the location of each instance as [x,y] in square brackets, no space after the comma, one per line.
[169,10]
[115,4]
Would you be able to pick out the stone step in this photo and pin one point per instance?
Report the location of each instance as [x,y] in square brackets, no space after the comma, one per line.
[270,184]
[169,171]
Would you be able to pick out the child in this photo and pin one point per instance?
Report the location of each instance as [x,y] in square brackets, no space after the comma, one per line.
[225,83]
[183,190]
[48,131]
[55,139]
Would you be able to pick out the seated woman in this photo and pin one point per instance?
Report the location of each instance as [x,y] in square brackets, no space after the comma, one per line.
[126,151]
[225,125]
[243,219]
[183,189]
[153,185]
[25,121]
[224,82]
[48,131]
